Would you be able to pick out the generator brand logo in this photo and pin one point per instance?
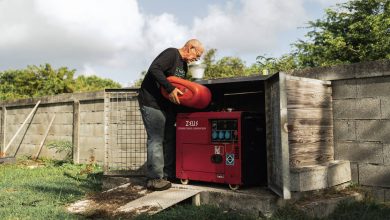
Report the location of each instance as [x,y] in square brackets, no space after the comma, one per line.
[191,125]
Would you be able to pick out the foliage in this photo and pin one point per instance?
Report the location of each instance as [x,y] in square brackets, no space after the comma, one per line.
[273,65]
[355,31]
[93,83]
[43,80]
[224,67]
[35,81]
[62,147]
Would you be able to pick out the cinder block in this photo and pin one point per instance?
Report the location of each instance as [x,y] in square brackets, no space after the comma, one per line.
[343,109]
[16,119]
[320,176]
[58,108]
[362,152]
[33,139]
[367,108]
[385,107]
[386,154]
[42,118]
[92,106]
[91,130]
[339,171]
[61,130]
[38,129]
[364,108]
[91,117]
[344,130]
[308,178]
[373,87]
[374,175]
[62,118]
[91,142]
[355,172]
[344,89]
[99,106]
[387,195]
[373,130]
[54,138]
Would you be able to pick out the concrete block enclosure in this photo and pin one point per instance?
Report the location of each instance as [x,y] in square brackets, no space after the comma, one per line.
[299,128]
[317,121]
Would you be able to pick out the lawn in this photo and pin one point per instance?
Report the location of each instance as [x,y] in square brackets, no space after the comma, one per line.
[30,190]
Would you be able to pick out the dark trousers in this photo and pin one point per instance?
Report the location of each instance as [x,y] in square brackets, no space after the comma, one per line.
[161,142]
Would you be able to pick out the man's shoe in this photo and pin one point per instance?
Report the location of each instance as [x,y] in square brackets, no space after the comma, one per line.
[172,179]
[158,184]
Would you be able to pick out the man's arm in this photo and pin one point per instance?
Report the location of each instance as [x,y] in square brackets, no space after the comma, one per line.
[163,63]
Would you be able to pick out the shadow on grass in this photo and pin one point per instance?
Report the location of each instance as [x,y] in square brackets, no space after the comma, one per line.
[92,181]
[58,188]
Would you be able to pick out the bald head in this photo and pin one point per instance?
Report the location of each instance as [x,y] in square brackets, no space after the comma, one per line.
[192,50]
[194,43]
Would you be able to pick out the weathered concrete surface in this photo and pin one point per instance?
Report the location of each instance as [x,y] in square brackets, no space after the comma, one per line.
[348,71]
[320,176]
[374,175]
[363,152]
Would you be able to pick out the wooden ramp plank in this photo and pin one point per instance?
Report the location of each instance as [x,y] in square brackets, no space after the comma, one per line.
[158,201]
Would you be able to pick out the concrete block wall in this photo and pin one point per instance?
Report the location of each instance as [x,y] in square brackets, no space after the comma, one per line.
[28,140]
[361,114]
[361,109]
[91,134]
[78,119]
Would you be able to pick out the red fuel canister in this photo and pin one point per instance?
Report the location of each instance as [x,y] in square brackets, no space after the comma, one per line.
[194,95]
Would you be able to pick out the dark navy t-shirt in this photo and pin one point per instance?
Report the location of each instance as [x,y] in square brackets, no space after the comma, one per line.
[167,63]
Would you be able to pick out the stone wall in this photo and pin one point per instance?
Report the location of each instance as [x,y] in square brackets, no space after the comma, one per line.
[361,114]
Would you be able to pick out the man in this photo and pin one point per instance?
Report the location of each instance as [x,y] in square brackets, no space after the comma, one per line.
[159,113]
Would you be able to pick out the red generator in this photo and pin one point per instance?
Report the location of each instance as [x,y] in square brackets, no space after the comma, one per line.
[221,147]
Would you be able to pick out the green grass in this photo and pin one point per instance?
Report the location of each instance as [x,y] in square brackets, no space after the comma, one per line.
[43,192]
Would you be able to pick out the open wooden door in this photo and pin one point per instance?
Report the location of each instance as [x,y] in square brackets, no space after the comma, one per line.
[277,135]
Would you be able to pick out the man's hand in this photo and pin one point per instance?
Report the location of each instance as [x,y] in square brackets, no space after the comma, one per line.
[173,96]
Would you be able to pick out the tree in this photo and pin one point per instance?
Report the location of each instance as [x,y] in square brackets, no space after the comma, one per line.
[224,67]
[93,83]
[43,80]
[355,31]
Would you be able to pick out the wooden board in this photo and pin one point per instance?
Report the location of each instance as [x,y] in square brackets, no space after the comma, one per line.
[158,201]
[277,136]
[310,121]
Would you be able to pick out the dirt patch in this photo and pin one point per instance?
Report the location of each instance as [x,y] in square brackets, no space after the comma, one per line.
[103,205]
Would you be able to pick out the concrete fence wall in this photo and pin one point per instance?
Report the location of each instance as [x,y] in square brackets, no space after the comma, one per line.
[78,120]
[361,114]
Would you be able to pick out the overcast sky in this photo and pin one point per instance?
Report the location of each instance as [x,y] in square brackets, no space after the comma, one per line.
[118,39]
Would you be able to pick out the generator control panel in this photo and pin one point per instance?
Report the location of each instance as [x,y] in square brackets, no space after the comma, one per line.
[224,130]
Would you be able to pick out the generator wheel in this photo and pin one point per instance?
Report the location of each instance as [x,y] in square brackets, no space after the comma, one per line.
[234,186]
[184,181]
